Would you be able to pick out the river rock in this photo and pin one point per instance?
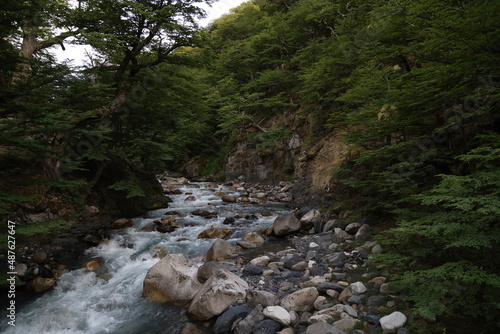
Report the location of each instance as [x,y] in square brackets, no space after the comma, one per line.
[21,269]
[377,249]
[352,228]
[260,297]
[374,301]
[385,288]
[122,223]
[159,252]
[246,325]
[350,311]
[245,244]
[41,284]
[205,213]
[172,280]
[285,224]
[340,233]
[219,250]
[390,323]
[225,322]
[358,288]
[266,213]
[261,261]
[301,300]
[214,233]
[345,295]
[93,264]
[267,327]
[309,218]
[278,314]
[167,227]
[217,294]
[323,328]
[40,257]
[252,270]
[362,233]
[189,328]
[229,198]
[254,237]
[207,270]
[323,287]
[329,225]
[346,324]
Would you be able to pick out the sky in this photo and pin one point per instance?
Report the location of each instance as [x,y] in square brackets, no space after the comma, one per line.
[219,8]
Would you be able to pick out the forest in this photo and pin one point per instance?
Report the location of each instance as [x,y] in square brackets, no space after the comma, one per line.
[412,87]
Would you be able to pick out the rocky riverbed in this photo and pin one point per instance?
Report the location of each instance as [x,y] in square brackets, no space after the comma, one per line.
[233,260]
[323,282]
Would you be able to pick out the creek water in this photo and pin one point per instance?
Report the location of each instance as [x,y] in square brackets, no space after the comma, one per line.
[109,300]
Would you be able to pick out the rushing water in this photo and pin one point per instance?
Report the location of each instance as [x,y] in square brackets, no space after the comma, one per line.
[109,299]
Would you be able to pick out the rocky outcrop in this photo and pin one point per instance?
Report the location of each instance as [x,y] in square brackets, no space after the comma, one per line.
[172,280]
[218,293]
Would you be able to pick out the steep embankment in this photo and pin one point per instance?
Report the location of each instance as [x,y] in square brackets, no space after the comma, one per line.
[305,154]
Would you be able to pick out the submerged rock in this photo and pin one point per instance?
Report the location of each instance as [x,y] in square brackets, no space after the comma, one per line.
[214,233]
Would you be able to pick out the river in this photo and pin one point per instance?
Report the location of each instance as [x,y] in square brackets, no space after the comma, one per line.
[109,300]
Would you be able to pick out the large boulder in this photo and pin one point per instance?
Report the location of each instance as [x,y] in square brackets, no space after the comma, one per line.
[208,269]
[217,294]
[214,233]
[219,250]
[301,300]
[172,280]
[285,224]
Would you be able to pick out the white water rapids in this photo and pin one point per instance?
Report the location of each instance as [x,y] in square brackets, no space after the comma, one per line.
[109,299]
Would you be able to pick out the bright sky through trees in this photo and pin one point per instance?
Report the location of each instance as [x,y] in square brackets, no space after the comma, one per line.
[77,53]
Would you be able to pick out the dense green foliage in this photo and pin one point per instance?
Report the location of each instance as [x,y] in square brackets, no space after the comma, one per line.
[414,85]
[62,127]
